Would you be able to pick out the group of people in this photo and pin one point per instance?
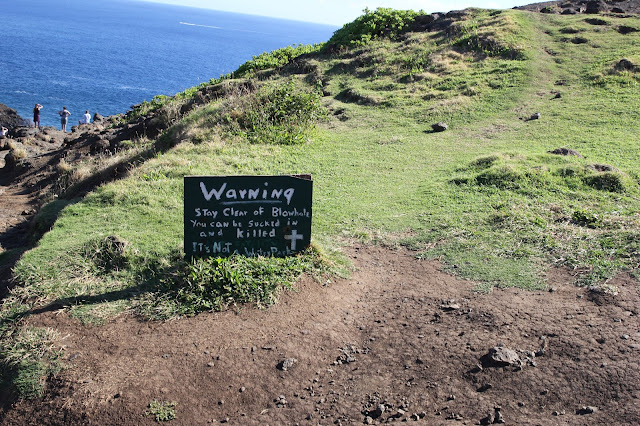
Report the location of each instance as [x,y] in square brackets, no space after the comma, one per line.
[64,117]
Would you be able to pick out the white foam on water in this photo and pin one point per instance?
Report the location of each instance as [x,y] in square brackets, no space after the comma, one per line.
[140,89]
[199,25]
[220,28]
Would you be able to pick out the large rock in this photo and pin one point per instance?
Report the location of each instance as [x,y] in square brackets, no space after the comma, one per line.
[10,119]
[596,7]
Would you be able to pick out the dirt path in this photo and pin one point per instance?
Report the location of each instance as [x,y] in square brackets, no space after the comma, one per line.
[399,340]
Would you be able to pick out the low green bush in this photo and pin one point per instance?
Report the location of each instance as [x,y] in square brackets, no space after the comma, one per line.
[373,24]
[606,181]
[275,59]
[275,114]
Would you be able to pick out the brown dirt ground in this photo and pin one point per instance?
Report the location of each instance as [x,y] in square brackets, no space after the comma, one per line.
[399,340]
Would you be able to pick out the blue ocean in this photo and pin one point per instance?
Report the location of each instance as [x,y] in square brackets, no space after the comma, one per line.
[105,56]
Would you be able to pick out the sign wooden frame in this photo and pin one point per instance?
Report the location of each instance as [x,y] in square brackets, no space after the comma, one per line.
[247,215]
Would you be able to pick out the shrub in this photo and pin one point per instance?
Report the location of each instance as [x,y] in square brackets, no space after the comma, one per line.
[275,59]
[586,218]
[371,25]
[277,114]
[607,181]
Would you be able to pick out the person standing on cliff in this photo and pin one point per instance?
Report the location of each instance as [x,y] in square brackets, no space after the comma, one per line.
[36,115]
[64,117]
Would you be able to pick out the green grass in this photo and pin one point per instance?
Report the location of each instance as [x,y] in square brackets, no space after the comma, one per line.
[484,197]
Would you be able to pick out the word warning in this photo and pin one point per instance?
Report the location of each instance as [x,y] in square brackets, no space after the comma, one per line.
[247,215]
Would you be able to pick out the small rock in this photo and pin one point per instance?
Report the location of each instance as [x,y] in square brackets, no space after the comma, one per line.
[211,364]
[500,356]
[281,401]
[487,420]
[454,416]
[287,364]
[601,167]
[625,337]
[543,347]
[586,410]
[450,305]
[440,126]
[565,151]
[484,387]
[377,412]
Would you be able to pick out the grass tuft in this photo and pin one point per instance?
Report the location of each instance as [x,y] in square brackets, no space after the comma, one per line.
[162,411]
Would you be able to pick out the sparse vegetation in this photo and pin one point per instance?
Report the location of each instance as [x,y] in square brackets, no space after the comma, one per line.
[162,411]
[28,356]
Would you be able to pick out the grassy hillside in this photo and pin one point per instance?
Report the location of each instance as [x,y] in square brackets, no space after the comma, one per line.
[486,197]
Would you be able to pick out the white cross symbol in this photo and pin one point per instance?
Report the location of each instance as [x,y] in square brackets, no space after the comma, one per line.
[293,237]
